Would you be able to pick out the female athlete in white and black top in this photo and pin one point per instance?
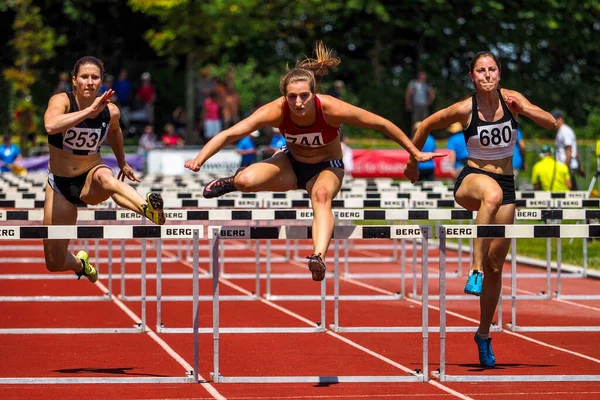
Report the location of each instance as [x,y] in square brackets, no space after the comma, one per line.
[486,184]
[78,123]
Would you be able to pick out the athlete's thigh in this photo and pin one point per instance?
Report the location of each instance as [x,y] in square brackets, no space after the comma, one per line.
[93,192]
[275,174]
[472,189]
[330,180]
[58,211]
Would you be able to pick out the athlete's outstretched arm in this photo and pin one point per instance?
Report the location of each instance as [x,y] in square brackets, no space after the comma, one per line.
[269,114]
[339,112]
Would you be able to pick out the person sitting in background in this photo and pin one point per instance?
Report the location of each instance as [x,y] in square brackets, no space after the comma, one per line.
[457,144]
[247,149]
[170,138]
[10,156]
[549,174]
[426,169]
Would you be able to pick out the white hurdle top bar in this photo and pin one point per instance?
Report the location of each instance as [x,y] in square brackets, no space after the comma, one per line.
[306,214]
[337,203]
[521,231]
[224,232]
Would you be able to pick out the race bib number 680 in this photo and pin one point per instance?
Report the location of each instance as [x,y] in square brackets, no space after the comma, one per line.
[499,135]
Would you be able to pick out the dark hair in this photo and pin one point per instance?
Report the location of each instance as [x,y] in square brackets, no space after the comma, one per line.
[310,70]
[483,54]
[88,60]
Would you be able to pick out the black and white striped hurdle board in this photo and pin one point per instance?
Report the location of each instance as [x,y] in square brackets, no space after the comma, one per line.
[521,231]
[100,232]
[337,203]
[305,232]
[307,214]
[223,232]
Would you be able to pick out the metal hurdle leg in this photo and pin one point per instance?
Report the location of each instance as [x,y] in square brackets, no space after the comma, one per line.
[159,324]
[110,270]
[123,295]
[195,304]
[143,289]
[442,244]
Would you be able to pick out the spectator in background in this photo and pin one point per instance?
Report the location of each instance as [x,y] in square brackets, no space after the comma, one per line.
[418,97]
[277,141]
[549,174]
[519,157]
[170,138]
[64,83]
[123,89]
[146,94]
[211,116]
[10,155]
[247,149]
[566,147]
[107,83]
[426,168]
[206,85]
[347,156]
[178,120]
[457,143]
[146,143]
[231,102]
[337,89]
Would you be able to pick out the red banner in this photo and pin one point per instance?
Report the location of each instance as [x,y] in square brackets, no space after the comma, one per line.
[390,163]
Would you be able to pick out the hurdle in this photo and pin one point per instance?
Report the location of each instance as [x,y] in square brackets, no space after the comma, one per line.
[340,232]
[107,232]
[512,232]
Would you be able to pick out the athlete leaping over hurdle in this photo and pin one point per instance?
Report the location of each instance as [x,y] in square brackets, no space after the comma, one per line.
[77,123]
[312,158]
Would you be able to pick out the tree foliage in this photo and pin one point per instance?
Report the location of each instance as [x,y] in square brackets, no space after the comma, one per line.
[549,49]
[33,43]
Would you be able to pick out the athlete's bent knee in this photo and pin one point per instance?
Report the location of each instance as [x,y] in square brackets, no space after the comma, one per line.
[244,180]
[321,196]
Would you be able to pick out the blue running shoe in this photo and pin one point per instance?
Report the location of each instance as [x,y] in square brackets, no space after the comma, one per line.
[474,283]
[487,358]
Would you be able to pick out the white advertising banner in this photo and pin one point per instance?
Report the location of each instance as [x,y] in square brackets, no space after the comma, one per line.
[170,162]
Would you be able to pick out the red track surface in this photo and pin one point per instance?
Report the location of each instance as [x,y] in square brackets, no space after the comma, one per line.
[290,354]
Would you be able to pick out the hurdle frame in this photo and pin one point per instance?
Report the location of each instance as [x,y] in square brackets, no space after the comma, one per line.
[216,235]
[503,231]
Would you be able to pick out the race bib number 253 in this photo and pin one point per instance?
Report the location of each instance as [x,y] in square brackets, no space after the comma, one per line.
[82,138]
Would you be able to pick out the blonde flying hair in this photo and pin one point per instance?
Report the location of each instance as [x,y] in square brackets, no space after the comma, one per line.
[310,70]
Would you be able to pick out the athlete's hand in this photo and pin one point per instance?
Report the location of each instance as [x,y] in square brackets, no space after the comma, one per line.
[411,172]
[420,156]
[100,103]
[193,165]
[514,105]
[127,171]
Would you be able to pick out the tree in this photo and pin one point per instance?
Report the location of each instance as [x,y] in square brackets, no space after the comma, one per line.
[33,43]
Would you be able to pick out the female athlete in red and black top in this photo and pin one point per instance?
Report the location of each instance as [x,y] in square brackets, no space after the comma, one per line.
[312,158]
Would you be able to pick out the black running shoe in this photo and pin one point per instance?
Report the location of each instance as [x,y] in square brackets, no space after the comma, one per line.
[316,267]
[219,187]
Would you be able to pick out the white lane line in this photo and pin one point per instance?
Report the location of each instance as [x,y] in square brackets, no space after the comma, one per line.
[209,388]
[383,291]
